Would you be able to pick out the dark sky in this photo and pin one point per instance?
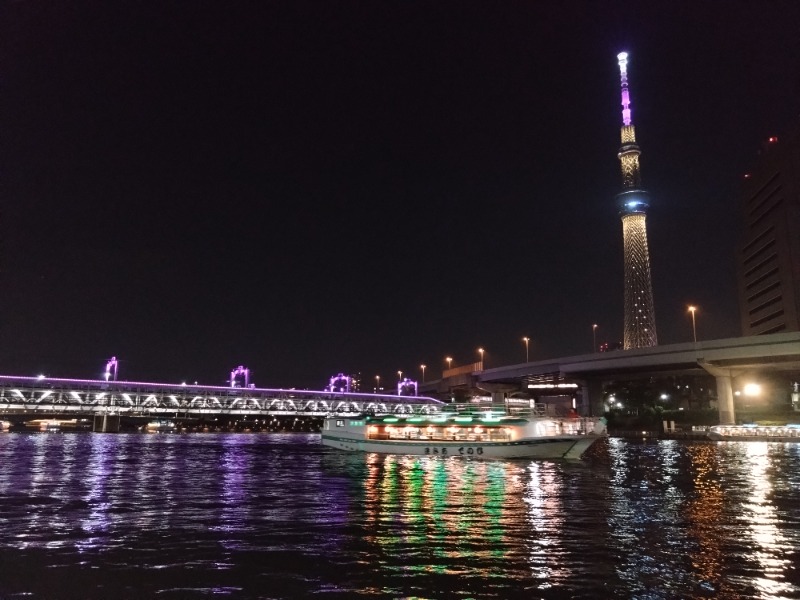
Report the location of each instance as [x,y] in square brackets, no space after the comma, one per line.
[306,188]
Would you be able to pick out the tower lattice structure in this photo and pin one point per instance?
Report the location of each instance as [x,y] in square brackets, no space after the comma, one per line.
[633,202]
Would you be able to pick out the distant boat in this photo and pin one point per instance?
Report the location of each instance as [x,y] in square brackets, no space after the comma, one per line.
[53,426]
[56,425]
[5,425]
[160,426]
[755,432]
[44,425]
[474,434]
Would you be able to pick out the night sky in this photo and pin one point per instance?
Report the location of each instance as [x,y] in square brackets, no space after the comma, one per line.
[306,188]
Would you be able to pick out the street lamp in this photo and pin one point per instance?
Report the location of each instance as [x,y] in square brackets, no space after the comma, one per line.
[693,309]
[594,337]
[423,372]
[449,363]
[752,389]
[480,351]
[526,340]
[399,376]
[377,383]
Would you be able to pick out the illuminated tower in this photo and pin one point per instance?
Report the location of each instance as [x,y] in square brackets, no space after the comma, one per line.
[633,201]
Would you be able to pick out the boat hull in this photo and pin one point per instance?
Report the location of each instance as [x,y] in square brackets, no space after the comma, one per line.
[570,447]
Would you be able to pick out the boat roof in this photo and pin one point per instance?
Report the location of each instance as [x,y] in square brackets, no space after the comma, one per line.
[482,419]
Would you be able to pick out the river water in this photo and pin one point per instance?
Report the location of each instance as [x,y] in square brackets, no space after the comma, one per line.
[280,516]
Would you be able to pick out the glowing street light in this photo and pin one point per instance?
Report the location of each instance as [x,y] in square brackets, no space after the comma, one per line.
[399,376]
[752,389]
[594,337]
[377,383]
[693,309]
[526,340]
[423,372]
[449,363]
[480,351]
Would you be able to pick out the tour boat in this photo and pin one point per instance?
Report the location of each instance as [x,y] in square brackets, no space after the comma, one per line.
[480,434]
[754,432]
[160,426]
[44,425]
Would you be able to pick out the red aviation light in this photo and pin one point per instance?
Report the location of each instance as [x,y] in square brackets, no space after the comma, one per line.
[773,139]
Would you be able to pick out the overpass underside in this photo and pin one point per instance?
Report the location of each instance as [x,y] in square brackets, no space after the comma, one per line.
[731,363]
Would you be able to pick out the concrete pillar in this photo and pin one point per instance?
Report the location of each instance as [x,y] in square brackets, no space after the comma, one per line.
[499,400]
[727,415]
[106,423]
[592,404]
[724,377]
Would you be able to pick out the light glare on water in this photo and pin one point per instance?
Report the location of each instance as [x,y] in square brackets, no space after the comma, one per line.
[281,516]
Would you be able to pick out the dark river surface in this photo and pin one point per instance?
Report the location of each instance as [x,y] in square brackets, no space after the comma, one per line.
[280,516]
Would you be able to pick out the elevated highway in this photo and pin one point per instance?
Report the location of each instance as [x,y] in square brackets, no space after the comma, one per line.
[727,360]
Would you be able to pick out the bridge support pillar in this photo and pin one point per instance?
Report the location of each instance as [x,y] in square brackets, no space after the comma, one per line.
[727,415]
[499,399]
[592,402]
[498,391]
[106,424]
[724,377]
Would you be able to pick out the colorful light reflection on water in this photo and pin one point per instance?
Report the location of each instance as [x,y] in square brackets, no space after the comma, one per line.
[280,516]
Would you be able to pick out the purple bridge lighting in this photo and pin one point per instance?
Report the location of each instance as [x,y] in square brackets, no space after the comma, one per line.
[407,387]
[111,369]
[240,377]
[340,383]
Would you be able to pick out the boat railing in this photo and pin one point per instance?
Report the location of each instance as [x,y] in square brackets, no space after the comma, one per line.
[467,408]
[440,434]
[537,410]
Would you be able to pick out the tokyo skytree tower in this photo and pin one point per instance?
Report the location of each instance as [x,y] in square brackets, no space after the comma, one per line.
[633,202]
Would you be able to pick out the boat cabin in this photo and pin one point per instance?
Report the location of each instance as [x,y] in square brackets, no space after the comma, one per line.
[466,428]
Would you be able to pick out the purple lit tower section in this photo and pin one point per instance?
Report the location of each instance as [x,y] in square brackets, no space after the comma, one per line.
[240,377]
[340,383]
[407,387]
[633,202]
[111,369]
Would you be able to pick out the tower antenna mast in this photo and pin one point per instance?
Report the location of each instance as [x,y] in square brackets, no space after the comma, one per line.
[622,58]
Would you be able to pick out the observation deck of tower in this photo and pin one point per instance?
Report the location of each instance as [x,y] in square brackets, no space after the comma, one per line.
[633,202]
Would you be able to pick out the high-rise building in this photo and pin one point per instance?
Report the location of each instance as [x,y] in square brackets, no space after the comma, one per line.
[768,258]
[633,202]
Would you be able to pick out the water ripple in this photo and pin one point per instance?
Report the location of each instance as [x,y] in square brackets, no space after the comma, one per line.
[280,516]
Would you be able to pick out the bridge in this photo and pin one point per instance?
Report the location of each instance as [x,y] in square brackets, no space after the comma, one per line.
[46,397]
[730,361]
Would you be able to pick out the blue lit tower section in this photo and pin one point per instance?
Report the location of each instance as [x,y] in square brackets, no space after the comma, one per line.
[633,201]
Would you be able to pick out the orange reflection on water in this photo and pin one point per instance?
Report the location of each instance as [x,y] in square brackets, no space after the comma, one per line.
[703,513]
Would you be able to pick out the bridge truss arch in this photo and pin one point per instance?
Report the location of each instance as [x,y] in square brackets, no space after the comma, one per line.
[90,397]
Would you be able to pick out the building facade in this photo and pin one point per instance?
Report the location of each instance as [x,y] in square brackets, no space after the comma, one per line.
[768,257]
